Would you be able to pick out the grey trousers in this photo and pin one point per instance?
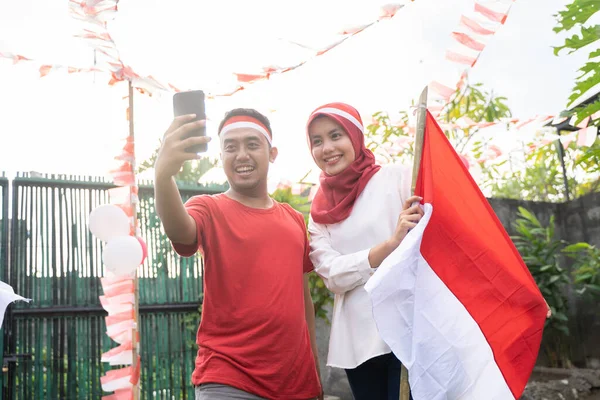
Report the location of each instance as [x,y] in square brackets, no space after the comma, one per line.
[216,391]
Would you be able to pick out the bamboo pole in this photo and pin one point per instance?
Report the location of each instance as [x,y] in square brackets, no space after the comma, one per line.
[135,331]
[421,117]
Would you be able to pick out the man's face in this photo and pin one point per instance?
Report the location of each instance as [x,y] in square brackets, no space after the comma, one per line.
[246,154]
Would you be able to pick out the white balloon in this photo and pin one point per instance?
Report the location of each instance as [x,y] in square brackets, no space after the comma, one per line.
[108,221]
[122,255]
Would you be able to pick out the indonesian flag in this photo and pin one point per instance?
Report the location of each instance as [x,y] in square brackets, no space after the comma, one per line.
[455,302]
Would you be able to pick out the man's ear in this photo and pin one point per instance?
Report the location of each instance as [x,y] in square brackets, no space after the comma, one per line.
[273,152]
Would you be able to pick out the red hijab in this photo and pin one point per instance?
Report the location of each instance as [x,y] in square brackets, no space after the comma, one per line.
[335,198]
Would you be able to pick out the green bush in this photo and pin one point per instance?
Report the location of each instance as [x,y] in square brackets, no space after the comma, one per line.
[541,252]
[586,267]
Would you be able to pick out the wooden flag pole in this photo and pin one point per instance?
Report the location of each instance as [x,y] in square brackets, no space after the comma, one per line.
[135,331]
[421,117]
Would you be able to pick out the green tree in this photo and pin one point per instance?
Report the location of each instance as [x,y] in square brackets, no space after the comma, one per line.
[393,141]
[574,18]
[539,176]
[536,175]
[478,104]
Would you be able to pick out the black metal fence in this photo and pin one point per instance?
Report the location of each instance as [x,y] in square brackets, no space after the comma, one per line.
[53,346]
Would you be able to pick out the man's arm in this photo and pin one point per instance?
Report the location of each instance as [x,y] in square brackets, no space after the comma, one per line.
[179,226]
[309,310]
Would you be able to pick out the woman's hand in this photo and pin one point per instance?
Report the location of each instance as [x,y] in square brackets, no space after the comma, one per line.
[549,312]
[409,218]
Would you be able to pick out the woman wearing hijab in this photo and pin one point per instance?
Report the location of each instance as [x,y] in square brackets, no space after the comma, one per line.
[360,214]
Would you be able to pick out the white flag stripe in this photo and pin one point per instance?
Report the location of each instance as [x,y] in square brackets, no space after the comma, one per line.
[430,331]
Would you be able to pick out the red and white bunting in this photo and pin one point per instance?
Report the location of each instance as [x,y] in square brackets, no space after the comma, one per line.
[121,355]
[117,304]
[586,137]
[16,58]
[387,11]
[123,394]
[117,379]
[469,40]
[117,288]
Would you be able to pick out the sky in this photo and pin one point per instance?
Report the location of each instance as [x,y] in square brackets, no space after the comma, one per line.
[75,123]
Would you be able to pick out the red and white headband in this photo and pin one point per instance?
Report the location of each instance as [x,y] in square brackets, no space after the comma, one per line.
[341,110]
[244,121]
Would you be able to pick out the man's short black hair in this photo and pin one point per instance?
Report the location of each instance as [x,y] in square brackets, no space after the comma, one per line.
[247,112]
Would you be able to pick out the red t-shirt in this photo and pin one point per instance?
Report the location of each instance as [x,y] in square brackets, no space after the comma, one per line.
[253,334]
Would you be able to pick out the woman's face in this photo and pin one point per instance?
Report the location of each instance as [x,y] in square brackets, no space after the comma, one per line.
[330,145]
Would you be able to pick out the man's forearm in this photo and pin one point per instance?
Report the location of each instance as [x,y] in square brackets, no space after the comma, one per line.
[178,224]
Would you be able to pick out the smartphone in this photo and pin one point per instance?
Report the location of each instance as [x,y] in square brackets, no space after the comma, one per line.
[191,102]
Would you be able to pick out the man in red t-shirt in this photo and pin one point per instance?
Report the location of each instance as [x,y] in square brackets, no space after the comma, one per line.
[257,334]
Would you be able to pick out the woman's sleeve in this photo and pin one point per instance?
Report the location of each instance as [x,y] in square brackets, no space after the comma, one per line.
[340,272]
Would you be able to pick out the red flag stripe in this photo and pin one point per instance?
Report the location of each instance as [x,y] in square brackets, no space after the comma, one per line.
[475,258]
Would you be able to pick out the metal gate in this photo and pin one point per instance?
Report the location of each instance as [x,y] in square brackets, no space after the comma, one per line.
[53,346]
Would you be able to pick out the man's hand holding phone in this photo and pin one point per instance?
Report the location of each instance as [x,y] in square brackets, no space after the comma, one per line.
[186,137]
[174,150]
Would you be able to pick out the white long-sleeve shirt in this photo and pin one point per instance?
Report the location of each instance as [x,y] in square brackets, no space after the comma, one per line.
[340,254]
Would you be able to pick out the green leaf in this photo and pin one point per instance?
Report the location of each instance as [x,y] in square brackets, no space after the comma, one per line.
[588,36]
[577,247]
[577,12]
[546,268]
[588,110]
[553,279]
[582,86]
[593,287]
[560,316]
[589,156]
[583,277]
[587,68]
[529,216]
